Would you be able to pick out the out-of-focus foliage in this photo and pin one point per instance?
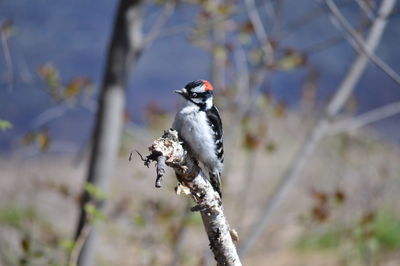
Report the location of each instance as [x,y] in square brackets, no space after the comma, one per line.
[94,214]
[42,139]
[371,235]
[95,192]
[7,28]
[16,217]
[58,91]
[4,125]
[290,60]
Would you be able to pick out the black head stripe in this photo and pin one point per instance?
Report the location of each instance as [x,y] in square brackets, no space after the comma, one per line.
[200,104]
[193,84]
[203,95]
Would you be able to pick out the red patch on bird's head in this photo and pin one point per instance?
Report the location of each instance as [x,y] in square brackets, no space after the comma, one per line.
[208,85]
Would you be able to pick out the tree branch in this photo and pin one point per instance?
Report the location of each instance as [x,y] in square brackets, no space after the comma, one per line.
[159,24]
[243,80]
[321,128]
[193,182]
[7,55]
[366,118]
[358,67]
[357,42]
[260,31]
[366,9]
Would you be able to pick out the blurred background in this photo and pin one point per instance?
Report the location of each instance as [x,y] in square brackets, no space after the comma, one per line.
[308,92]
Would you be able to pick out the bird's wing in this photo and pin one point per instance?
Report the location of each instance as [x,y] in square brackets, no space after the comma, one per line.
[215,122]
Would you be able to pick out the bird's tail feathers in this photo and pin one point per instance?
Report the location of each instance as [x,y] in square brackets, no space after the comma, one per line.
[215,180]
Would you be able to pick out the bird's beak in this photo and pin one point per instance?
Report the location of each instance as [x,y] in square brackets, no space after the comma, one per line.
[182,92]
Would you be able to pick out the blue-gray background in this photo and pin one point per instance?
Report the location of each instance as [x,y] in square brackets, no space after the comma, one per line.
[74,35]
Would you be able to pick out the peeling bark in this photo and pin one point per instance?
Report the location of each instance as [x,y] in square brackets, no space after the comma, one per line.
[170,150]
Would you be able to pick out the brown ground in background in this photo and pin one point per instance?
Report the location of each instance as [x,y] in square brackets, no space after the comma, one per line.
[143,221]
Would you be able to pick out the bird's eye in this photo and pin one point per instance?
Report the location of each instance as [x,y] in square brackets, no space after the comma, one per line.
[194,94]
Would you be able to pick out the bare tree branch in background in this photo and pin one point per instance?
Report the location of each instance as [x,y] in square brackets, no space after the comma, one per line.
[7,54]
[124,49]
[322,126]
[77,247]
[260,31]
[274,12]
[366,9]
[297,23]
[364,119]
[155,30]
[357,42]
[322,45]
[192,181]
[187,27]
[243,80]
[218,67]
[55,112]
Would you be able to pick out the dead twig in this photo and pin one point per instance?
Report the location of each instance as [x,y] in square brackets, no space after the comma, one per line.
[146,160]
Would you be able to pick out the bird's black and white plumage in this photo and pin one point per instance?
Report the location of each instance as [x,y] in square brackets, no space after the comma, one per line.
[199,125]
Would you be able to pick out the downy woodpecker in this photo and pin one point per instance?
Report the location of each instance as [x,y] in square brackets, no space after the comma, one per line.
[199,125]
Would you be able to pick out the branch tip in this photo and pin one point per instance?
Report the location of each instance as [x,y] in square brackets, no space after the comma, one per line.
[146,160]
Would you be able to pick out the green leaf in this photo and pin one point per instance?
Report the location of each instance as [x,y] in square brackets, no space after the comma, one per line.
[16,216]
[68,245]
[94,214]
[4,125]
[95,191]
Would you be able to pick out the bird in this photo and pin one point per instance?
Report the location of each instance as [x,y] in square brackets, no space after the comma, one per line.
[199,125]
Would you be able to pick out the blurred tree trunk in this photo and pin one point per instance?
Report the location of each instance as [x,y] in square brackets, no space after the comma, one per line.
[124,50]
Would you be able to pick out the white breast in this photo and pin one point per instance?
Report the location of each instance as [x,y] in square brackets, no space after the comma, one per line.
[193,127]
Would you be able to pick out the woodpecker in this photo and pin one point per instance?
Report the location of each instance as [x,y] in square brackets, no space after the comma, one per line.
[199,125]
